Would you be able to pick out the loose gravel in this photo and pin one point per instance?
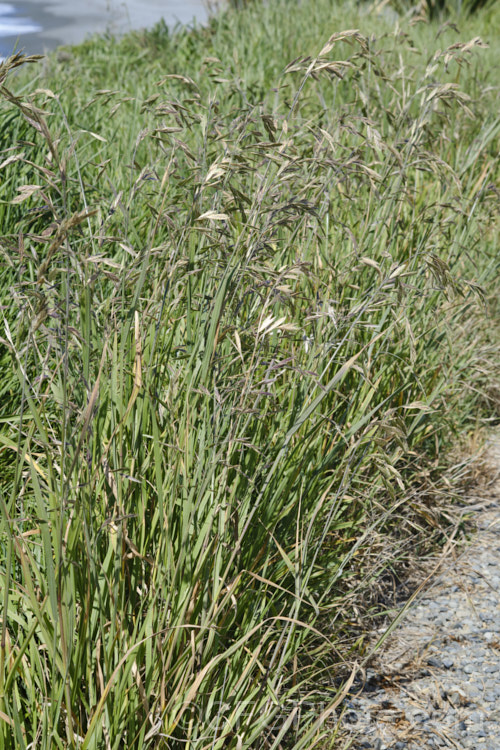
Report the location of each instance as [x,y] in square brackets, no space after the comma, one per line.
[439,685]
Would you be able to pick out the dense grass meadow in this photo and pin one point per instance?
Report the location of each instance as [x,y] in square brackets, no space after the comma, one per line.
[249,339]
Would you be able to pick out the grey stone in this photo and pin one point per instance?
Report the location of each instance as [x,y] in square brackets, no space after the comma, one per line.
[455,628]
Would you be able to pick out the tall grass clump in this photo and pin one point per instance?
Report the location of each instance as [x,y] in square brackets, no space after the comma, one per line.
[245,318]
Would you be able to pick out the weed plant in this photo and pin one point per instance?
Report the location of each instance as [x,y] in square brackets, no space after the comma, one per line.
[246,317]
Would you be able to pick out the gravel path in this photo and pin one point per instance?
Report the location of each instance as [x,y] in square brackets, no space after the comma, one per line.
[439,685]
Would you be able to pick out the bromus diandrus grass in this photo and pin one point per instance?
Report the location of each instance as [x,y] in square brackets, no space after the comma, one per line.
[245,316]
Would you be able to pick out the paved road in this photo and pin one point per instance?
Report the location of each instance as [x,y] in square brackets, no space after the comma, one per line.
[40,25]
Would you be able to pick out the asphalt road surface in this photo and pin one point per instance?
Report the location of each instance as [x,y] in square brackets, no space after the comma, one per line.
[36,26]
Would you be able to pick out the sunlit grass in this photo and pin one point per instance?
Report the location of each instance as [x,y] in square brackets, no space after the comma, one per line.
[246,282]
